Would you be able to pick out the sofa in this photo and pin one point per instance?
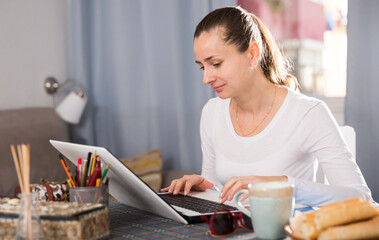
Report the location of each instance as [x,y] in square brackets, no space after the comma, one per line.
[34,126]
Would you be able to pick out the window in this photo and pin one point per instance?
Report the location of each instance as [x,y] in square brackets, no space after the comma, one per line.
[313,35]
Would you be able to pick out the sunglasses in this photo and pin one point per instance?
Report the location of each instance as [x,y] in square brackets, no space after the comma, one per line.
[224,222]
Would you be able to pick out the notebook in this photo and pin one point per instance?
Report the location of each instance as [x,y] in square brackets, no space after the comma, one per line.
[129,189]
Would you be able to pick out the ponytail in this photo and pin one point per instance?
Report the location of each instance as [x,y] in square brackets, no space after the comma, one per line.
[274,64]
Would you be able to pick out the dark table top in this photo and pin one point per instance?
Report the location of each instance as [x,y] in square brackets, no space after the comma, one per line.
[130,223]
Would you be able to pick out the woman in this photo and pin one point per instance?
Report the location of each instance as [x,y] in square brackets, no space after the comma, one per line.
[259,129]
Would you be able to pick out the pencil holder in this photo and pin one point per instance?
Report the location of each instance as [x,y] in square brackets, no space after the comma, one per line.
[89,194]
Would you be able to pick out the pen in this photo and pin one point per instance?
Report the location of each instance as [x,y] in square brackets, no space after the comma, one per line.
[98,182]
[93,163]
[78,167]
[96,174]
[67,169]
[89,164]
[105,172]
[83,177]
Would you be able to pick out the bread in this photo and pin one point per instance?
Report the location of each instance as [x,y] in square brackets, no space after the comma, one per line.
[368,229]
[310,225]
[303,225]
[344,212]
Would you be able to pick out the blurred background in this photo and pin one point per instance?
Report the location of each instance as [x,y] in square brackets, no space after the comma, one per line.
[135,61]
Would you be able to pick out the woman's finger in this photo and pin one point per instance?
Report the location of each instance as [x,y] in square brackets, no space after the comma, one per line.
[192,180]
[187,182]
[179,185]
[236,187]
[244,197]
[170,188]
[233,186]
[226,188]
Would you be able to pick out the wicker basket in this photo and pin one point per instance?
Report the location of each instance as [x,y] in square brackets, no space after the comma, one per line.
[59,220]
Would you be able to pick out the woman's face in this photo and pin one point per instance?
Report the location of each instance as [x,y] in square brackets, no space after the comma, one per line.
[224,68]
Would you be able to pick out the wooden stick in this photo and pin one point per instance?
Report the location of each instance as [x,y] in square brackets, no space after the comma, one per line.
[26,157]
[26,152]
[22,165]
[19,176]
[25,166]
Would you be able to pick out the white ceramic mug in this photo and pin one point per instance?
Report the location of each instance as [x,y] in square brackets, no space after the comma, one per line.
[271,206]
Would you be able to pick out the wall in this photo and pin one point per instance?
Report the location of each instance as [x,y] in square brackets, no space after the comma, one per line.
[32,47]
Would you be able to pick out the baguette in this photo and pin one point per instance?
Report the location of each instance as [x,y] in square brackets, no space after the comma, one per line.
[344,212]
[303,225]
[310,225]
[368,229]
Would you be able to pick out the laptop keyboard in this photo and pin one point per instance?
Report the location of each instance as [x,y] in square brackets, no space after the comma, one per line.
[195,204]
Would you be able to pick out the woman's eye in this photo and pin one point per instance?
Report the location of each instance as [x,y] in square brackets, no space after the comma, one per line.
[216,64]
[202,68]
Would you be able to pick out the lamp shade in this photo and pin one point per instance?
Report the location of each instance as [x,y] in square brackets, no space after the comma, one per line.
[71,108]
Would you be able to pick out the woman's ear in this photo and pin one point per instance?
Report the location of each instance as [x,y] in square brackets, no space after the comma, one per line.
[254,53]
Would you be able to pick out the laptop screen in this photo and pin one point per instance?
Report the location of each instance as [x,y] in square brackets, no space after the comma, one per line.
[124,185]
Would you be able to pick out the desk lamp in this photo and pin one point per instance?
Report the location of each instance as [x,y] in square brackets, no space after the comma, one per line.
[70,109]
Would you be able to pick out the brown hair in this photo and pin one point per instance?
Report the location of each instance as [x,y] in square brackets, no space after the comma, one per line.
[240,28]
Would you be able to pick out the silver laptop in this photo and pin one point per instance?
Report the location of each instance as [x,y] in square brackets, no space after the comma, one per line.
[129,189]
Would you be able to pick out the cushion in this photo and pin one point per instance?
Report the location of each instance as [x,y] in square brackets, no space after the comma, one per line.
[148,167]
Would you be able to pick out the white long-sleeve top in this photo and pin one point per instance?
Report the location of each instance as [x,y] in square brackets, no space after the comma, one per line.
[302,132]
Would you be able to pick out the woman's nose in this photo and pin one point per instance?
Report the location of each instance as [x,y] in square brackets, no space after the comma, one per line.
[208,77]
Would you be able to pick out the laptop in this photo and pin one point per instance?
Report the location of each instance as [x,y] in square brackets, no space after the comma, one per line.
[129,189]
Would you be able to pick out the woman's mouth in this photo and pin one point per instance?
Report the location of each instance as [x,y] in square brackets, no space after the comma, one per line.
[218,88]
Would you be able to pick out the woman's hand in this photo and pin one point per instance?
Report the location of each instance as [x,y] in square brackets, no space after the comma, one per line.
[237,183]
[187,182]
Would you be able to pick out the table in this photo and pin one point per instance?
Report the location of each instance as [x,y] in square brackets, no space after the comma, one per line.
[130,223]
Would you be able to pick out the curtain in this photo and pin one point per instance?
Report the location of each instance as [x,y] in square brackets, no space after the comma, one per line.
[361,109]
[136,62]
